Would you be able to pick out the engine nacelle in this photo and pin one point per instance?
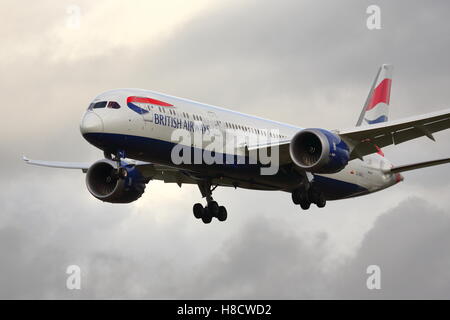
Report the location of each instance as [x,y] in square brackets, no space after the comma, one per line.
[104,182]
[319,151]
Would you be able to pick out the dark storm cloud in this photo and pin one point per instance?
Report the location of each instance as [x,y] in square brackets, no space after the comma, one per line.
[307,63]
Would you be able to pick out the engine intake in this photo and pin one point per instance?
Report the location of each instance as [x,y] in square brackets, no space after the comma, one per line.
[319,151]
[105,182]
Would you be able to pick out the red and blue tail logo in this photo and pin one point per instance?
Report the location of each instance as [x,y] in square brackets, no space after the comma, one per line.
[376,108]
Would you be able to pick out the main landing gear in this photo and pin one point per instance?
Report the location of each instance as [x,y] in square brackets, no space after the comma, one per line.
[212,209]
[306,196]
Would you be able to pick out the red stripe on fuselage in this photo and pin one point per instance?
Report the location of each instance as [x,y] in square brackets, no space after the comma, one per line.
[381,93]
[148,100]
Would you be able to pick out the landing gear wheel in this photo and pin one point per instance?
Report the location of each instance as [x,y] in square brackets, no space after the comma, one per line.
[305,204]
[304,201]
[206,217]
[321,202]
[296,197]
[213,208]
[222,215]
[198,210]
[314,194]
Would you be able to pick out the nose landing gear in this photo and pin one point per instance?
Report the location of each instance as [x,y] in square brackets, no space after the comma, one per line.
[117,157]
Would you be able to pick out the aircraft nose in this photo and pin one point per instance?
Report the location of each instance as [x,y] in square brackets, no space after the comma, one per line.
[91,123]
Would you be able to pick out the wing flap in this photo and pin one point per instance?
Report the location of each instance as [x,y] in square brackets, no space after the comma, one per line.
[165,173]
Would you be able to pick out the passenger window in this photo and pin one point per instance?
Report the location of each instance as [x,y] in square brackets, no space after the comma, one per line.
[99,105]
[113,105]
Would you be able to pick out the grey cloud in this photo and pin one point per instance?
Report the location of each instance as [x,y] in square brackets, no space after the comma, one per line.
[264,261]
[262,258]
[301,62]
[410,245]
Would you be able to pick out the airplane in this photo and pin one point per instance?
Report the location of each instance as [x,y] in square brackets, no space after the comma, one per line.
[134,128]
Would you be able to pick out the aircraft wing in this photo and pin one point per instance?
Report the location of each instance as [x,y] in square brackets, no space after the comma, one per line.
[148,170]
[57,164]
[365,140]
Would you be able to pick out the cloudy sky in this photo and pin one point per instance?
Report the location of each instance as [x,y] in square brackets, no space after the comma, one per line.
[309,63]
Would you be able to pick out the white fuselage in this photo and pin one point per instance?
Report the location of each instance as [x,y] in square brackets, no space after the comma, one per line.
[143,125]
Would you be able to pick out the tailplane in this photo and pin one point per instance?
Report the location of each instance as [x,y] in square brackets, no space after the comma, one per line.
[376,108]
[418,165]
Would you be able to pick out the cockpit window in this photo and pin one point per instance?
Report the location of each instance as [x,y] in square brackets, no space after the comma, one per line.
[99,105]
[113,105]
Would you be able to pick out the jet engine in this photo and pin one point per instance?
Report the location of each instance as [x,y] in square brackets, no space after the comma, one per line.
[319,151]
[109,183]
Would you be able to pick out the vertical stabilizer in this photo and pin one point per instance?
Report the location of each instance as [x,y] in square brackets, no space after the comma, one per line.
[376,108]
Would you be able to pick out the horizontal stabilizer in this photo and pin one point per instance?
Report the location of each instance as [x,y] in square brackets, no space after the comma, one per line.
[419,165]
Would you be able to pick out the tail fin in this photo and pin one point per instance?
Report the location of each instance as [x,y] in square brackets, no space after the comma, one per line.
[376,108]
